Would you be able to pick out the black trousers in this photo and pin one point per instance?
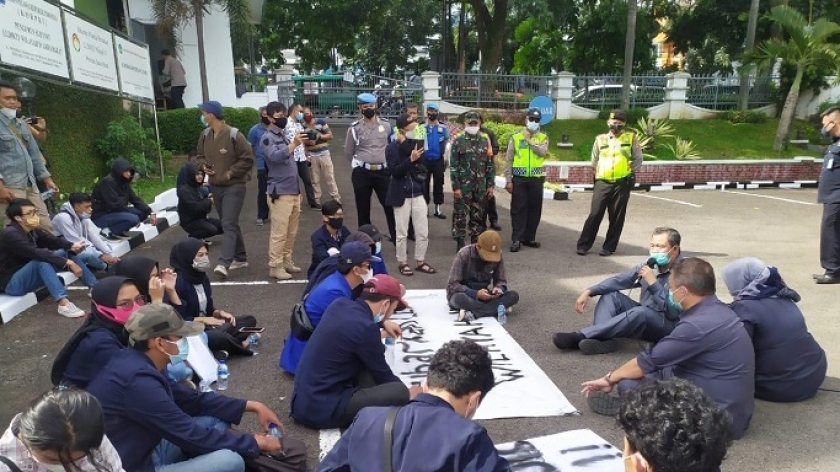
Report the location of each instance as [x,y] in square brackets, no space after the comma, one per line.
[177,96]
[262,198]
[492,213]
[364,183]
[306,176]
[610,197]
[830,238]
[436,171]
[370,394]
[526,207]
[206,228]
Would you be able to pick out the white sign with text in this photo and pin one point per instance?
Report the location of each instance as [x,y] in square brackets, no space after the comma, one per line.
[580,449]
[31,36]
[135,69]
[91,53]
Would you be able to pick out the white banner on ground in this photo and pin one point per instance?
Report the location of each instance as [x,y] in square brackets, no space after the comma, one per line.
[581,450]
[522,388]
[91,53]
[135,69]
[31,36]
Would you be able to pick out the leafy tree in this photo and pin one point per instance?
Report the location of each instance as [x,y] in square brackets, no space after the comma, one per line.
[805,44]
[490,23]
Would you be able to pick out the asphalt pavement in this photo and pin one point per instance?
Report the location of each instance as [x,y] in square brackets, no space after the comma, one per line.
[779,226]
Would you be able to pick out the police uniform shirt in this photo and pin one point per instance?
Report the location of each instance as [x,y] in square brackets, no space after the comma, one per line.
[366,141]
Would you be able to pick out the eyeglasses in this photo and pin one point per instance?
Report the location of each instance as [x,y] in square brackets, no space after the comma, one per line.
[31,213]
[533,119]
[126,304]
[472,122]
[365,265]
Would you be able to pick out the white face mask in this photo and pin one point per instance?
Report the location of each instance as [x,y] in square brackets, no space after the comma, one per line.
[201,263]
[473,130]
[379,247]
[367,276]
[532,126]
[409,135]
[9,113]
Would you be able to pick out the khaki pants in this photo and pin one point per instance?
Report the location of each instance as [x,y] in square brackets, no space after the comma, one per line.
[413,209]
[34,196]
[322,164]
[284,213]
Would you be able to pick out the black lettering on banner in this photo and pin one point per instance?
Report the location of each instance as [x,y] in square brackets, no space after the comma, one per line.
[422,358]
[525,457]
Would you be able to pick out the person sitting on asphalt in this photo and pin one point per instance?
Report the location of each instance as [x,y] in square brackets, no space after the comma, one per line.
[477,280]
[789,363]
[73,223]
[111,197]
[30,258]
[353,270]
[194,206]
[435,430]
[376,236]
[619,316]
[190,260]
[343,367]
[63,429]
[328,238]
[154,422]
[709,347]
[673,425]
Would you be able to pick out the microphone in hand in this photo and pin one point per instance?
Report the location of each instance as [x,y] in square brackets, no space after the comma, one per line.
[651,262]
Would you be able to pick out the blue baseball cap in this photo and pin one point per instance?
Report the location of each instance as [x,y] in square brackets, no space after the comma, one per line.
[432,106]
[356,252]
[366,98]
[213,107]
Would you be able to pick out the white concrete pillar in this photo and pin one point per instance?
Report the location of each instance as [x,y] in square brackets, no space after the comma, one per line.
[561,93]
[676,93]
[431,87]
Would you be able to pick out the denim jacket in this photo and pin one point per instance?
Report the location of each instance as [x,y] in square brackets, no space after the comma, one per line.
[19,164]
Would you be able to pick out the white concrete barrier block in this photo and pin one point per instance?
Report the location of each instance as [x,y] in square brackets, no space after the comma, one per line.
[11,306]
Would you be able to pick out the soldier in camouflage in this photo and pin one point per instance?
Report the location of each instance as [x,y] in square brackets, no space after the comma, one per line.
[473,177]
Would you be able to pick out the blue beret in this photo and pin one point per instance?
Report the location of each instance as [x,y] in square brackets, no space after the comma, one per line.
[366,98]
[432,106]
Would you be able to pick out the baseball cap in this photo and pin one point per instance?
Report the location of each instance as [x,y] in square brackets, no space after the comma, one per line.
[471,116]
[371,231]
[619,115]
[365,98]
[356,252]
[534,113]
[157,320]
[387,285]
[360,237]
[213,107]
[489,246]
[404,120]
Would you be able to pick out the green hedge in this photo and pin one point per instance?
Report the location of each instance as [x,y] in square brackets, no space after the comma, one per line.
[76,120]
[180,129]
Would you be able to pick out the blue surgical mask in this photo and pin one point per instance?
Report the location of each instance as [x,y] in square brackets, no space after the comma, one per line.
[300,116]
[204,121]
[673,303]
[84,216]
[661,258]
[379,316]
[532,126]
[183,351]
[378,247]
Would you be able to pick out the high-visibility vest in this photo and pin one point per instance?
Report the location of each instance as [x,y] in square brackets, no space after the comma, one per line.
[527,163]
[614,156]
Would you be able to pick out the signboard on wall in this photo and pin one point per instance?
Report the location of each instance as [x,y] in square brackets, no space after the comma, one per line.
[31,36]
[91,51]
[134,65]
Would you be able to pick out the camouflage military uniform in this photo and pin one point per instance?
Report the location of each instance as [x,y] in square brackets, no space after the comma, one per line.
[472,172]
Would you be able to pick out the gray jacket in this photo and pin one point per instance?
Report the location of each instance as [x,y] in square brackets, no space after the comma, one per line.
[20,165]
[66,223]
[654,296]
[282,173]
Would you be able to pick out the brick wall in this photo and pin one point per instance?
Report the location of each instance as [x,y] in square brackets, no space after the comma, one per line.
[797,169]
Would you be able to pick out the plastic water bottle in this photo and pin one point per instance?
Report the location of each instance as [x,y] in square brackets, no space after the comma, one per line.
[254,343]
[46,194]
[274,430]
[390,352]
[501,314]
[224,376]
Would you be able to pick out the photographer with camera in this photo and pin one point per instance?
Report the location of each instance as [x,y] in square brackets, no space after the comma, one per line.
[294,127]
[405,194]
[318,151]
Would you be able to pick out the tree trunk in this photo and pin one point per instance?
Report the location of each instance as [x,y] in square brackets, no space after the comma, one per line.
[744,90]
[629,44]
[491,31]
[462,39]
[199,33]
[789,109]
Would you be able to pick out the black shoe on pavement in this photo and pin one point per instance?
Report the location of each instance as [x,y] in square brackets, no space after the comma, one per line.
[494,225]
[567,341]
[605,253]
[516,246]
[582,252]
[592,347]
[315,207]
[440,216]
[828,279]
[533,244]
[603,404]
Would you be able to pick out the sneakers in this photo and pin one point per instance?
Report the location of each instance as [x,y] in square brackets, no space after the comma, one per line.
[238,265]
[290,267]
[279,273]
[221,271]
[260,222]
[567,341]
[605,253]
[592,347]
[70,311]
[603,404]
[465,315]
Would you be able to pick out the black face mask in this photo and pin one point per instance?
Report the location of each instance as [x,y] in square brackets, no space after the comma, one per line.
[335,223]
[265,120]
[369,112]
[281,122]
[433,116]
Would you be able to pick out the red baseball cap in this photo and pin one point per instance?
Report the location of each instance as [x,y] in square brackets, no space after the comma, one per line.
[387,285]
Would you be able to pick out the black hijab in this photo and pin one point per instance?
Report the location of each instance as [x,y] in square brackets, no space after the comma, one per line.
[137,268]
[181,258]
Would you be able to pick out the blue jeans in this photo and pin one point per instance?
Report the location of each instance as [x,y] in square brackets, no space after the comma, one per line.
[168,457]
[121,221]
[90,256]
[36,274]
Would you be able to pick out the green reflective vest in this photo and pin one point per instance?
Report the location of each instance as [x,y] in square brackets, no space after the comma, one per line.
[527,163]
[614,156]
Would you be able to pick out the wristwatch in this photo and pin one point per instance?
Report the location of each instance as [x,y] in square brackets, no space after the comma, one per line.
[607,378]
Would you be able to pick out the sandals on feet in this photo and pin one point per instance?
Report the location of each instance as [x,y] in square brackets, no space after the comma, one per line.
[426,269]
[406,270]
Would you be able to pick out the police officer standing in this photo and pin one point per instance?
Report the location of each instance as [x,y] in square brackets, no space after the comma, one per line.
[525,178]
[828,193]
[616,157]
[437,135]
[365,149]
[473,177]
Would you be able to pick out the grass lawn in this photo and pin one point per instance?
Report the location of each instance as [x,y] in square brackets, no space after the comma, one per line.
[147,189]
[713,138]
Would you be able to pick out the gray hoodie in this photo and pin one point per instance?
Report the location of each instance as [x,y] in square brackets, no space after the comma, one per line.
[66,223]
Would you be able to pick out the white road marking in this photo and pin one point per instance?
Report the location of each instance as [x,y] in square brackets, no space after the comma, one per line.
[224,284]
[759,195]
[327,439]
[693,205]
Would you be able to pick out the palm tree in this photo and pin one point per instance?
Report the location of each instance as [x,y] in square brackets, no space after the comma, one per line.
[805,45]
[629,43]
[172,14]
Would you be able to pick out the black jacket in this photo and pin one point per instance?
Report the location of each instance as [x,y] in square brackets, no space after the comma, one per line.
[398,157]
[192,205]
[113,193]
[18,248]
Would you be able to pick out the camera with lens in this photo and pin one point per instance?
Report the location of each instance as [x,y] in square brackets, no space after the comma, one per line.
[311,134]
